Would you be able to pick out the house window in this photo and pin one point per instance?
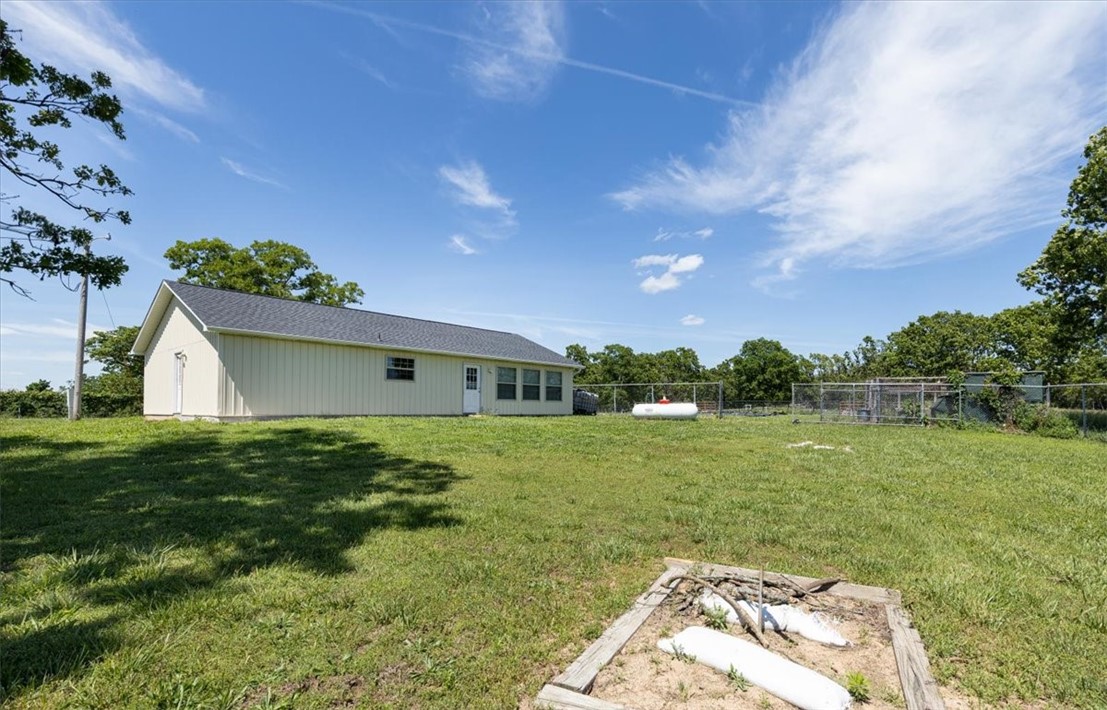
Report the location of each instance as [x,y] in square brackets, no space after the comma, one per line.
[553,386]
[505,383]
[400,368]
[532,384]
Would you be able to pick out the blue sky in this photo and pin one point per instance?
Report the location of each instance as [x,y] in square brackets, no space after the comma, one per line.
[655,174]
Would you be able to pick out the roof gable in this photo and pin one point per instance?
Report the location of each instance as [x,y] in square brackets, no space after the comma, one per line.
[249,314]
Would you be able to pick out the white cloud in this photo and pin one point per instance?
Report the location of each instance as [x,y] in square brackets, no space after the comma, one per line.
[904,132]
[460,244]
[56,328]
[691,320]
[80,36]
[473,189]
[495,49]
[521,52]
[656,284]
[664,235]
[686,264]
[242,171]
[669,279]
[168,124]
[654,260]
[370,71]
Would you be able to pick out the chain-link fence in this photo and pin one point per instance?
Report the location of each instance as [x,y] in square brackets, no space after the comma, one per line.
[1084,403]
[621,398]
[755,408]
[923,401]
[887,401]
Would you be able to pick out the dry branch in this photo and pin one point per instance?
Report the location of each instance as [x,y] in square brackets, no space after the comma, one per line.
[749,623]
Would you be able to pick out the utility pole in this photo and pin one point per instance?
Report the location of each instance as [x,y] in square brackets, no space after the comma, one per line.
[79,369]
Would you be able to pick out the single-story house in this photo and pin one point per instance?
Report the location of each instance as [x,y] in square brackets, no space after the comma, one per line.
[224,355]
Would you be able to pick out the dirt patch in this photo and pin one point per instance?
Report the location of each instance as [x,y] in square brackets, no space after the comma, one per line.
[646,678]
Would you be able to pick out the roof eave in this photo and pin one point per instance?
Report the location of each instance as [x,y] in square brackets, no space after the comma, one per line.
[154,315]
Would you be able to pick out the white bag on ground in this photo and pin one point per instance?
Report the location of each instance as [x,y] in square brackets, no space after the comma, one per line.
[779,617]
[788,681]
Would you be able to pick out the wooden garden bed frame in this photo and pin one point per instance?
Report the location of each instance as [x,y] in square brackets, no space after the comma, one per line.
[569,690]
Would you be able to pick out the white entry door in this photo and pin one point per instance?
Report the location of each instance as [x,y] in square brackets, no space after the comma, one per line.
[470,403]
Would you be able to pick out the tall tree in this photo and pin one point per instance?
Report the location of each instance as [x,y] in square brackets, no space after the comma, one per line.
[41,97]
[762,371]
[268,268]
[112,349]
[1072,270]
[936,345]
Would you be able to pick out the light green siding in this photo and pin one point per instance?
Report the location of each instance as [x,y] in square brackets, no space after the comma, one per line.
[179,332]
[269,377]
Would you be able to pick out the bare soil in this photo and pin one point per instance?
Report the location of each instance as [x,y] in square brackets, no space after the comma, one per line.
[644,677]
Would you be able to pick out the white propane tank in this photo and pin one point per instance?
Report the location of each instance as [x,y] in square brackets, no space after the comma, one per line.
[666,410]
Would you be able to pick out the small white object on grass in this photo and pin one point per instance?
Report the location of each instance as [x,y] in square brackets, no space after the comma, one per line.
[788,681]
[779,617]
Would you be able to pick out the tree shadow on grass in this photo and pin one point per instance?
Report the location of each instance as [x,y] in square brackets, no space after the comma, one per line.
[93,524]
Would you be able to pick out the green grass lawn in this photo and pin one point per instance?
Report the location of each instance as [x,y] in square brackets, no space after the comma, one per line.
[453,562]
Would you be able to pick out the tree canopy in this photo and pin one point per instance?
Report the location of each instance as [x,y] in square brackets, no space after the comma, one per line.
[1072,270]
[41,97]
[267,268]
[112,349]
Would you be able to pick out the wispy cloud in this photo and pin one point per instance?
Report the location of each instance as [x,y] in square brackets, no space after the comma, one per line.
[76,36]
[670,279]
[471,187]
[521,53]
[369,70]
[56,328]
[168,124]
[664,235]
[904,132]
[530,52]
[242,171]
[691,320]
[460,244]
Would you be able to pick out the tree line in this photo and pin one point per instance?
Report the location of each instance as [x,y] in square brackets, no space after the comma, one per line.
[1024,338]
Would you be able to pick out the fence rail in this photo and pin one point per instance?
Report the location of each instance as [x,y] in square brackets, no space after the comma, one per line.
[926,401]
[620,398]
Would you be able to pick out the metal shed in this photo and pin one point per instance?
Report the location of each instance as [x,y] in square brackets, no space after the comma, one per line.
[224,355]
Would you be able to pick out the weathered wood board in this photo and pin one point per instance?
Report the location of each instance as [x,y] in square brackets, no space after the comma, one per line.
[569,690]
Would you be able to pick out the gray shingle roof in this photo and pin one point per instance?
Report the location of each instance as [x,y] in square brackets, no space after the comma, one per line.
[230,310]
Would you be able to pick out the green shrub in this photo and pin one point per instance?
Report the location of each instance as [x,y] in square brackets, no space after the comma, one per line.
[36,403]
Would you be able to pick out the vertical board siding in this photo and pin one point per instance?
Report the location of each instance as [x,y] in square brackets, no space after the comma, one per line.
[273,377]
[179,332]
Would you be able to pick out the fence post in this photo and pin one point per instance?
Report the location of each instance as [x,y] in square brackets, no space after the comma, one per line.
[721,399]
[820,401]
[1084,409]
[614,400]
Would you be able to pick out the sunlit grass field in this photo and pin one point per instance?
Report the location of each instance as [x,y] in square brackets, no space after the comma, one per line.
[394,562]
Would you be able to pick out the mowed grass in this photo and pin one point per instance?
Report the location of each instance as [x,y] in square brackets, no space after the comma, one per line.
[463,562]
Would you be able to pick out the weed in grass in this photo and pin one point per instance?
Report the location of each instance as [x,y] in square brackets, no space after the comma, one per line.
[857,685]
[891,696]
[740,681]
[716,618]
[681,655]
[764,702]
[683,691]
